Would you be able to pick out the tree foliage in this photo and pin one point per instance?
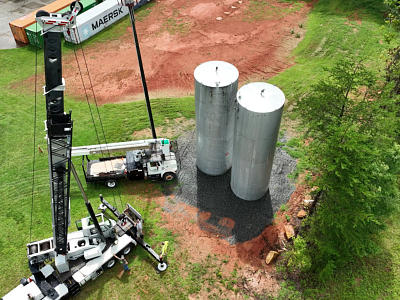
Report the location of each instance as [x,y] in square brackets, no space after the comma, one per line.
[393,61]
[393,14]
[350,121]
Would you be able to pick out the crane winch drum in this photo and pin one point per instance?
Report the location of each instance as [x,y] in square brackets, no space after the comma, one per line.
[216,84]
[259,110]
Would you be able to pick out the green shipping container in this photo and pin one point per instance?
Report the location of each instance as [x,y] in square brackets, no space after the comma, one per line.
[33,31]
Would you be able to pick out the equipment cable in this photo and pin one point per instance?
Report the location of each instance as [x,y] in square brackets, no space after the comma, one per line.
[87,97]
[98,113]
[88,102]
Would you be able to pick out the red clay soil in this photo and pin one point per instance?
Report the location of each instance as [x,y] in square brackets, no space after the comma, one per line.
[178,35]
[189,224]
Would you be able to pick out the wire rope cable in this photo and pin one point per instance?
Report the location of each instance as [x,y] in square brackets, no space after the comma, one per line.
[90,108]
[98,114]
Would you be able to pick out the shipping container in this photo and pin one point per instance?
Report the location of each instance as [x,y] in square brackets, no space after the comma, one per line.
[98,18]
[34,31]
[18,26]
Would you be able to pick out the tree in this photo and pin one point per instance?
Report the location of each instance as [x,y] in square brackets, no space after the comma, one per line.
[350,122]
[393,61]
[393,14]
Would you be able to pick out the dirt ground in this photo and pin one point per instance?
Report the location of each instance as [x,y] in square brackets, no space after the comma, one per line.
[178,35]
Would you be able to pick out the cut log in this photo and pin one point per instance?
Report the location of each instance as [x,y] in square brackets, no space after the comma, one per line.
[289,231]
[271,256]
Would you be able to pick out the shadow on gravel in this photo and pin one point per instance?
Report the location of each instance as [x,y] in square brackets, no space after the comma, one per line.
[220,211]
[232,218]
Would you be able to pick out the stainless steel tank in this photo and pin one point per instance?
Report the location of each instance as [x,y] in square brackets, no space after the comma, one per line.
[258,117]
[216,84]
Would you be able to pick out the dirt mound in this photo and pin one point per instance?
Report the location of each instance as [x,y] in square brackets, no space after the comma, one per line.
[178,35]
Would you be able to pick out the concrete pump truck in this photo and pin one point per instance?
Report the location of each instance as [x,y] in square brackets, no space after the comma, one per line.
[62,264]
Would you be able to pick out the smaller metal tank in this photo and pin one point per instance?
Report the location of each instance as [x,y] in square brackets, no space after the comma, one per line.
[216,84]
[258,117]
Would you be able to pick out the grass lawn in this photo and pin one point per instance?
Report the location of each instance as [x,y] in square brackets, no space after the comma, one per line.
[334,29]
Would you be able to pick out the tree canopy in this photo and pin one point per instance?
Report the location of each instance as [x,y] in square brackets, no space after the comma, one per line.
[350,124]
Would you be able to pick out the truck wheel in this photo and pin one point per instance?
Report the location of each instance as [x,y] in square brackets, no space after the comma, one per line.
[127,250]
[111,184]
[161,267]
[169,176]
[110,263]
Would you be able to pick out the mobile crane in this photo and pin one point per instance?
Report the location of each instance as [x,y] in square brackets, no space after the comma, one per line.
[60,265]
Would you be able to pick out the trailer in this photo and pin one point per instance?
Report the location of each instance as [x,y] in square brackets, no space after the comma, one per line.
[146,159]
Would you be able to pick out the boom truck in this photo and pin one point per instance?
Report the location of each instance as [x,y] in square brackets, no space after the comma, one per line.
[62,264]
[152,159]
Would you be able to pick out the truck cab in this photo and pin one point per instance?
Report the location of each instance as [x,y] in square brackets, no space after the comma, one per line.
[162,166]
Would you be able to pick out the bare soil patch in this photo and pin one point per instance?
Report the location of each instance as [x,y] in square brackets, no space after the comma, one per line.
[171,129]
[178,35]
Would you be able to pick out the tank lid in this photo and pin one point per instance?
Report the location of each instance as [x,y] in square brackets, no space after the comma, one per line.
[260,97]
[216,73]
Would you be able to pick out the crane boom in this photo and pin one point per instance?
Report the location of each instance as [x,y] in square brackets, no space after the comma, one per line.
[59,140]
[113,147]
[58,126]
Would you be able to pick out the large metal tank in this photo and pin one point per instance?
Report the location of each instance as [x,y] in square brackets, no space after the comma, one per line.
[258,117]
[216,84]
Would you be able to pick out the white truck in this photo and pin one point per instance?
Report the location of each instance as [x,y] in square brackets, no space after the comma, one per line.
[144,159]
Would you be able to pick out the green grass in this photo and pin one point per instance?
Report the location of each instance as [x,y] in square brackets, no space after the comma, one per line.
[335,28]
[174,26]
[377,277]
